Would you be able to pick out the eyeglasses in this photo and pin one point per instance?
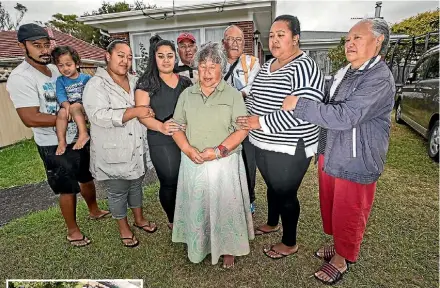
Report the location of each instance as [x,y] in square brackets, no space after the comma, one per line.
[231,40]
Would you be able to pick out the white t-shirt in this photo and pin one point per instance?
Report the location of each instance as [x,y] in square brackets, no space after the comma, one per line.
[28,87]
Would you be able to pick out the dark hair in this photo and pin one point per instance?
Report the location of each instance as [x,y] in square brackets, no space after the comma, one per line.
[292,23]
[112,45]
[65,50]
[150,80]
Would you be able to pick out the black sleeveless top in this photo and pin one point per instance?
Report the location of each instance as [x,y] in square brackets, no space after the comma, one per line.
[163,103]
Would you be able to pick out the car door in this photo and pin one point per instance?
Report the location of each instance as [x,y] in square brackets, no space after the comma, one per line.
[429,88]
[411,92]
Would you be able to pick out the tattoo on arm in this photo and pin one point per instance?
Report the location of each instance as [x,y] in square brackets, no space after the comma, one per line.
[223,150]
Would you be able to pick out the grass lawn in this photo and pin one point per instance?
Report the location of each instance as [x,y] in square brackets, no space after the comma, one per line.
[400,247]
[20,164]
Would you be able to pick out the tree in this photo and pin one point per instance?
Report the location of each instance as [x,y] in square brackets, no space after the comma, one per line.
[420,24]
[142,65]
[68,23]
[337,56]
[6,23]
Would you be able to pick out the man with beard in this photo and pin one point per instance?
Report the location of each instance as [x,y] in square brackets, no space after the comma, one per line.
[187,48]
[241,71]
[31,86]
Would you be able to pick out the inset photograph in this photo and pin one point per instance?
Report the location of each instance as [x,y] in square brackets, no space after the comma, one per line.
[78,283]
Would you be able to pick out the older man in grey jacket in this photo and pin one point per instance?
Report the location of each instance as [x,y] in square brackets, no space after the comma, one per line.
[354,139]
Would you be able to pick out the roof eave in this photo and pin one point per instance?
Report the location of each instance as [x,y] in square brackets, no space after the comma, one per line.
[179,10]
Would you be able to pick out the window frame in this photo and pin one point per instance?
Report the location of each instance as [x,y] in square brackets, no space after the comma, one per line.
[432,58]
[202,31]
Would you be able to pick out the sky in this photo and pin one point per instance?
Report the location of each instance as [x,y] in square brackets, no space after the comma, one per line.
[313,15]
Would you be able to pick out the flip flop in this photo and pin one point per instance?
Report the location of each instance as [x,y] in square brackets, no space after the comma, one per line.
[102,216]
[86,241]
[259,232]
[136,243]
[332,272]
[146,225]
[278,254]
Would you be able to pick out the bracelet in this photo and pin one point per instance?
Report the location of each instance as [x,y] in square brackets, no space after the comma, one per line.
[217,153]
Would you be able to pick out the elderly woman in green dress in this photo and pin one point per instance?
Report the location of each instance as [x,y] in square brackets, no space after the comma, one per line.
[212,213]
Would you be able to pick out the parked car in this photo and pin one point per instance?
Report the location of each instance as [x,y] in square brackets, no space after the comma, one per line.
[417,101]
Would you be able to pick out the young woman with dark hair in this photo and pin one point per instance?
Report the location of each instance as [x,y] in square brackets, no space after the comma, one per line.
[160,88]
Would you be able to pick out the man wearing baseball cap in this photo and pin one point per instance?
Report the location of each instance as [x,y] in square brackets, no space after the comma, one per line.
[31,86]
[187,48]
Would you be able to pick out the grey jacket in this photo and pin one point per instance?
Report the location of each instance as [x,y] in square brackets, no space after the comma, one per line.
[358,122]
[116,148]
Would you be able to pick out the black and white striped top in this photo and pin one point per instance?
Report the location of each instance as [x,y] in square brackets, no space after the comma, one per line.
[280,131]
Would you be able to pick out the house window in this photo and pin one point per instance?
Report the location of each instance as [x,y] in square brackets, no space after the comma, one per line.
[202,35]
[144,39]
[214,34]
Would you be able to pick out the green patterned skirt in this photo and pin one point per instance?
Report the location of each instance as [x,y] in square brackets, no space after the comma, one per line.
[212,213]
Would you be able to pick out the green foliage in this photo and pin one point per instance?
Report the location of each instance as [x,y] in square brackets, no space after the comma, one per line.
[142,65]
[68,23]
[337,56]
[420,24]
[6,23]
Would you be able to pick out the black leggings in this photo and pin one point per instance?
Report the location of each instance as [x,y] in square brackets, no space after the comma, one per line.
[166,161]
[251,166]
[283,174]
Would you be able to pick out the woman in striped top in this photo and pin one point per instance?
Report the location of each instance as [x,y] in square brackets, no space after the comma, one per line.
[284,144]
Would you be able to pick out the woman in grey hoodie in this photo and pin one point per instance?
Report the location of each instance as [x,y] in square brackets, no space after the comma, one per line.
[355,128]
[117,154]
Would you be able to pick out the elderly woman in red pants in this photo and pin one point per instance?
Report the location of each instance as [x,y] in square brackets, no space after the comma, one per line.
[353,143]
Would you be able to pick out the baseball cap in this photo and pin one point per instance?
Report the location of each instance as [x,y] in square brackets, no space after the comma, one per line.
[31,32]
[186,36]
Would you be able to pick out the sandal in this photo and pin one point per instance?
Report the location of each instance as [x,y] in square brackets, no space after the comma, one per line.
[134,244]
[278,255]
[332,272]
[102,216]
[146,225]
[258,231]
[84,241]
[328,253]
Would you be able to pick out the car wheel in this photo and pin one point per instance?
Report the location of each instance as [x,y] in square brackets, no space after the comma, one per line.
[434,141]
[398,114]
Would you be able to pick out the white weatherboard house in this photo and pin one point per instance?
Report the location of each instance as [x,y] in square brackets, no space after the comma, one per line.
[206,21]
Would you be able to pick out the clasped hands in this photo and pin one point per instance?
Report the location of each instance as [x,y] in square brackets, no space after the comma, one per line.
[198,157]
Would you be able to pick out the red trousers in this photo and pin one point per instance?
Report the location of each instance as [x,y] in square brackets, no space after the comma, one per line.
[345,207]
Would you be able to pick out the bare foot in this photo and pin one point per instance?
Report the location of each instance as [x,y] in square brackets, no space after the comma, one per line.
[170,226]
[82,140]
[228,261]
[61,148]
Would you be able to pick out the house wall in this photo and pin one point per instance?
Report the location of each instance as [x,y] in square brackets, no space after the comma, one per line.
[12,129]
[247,26]
[248,31]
